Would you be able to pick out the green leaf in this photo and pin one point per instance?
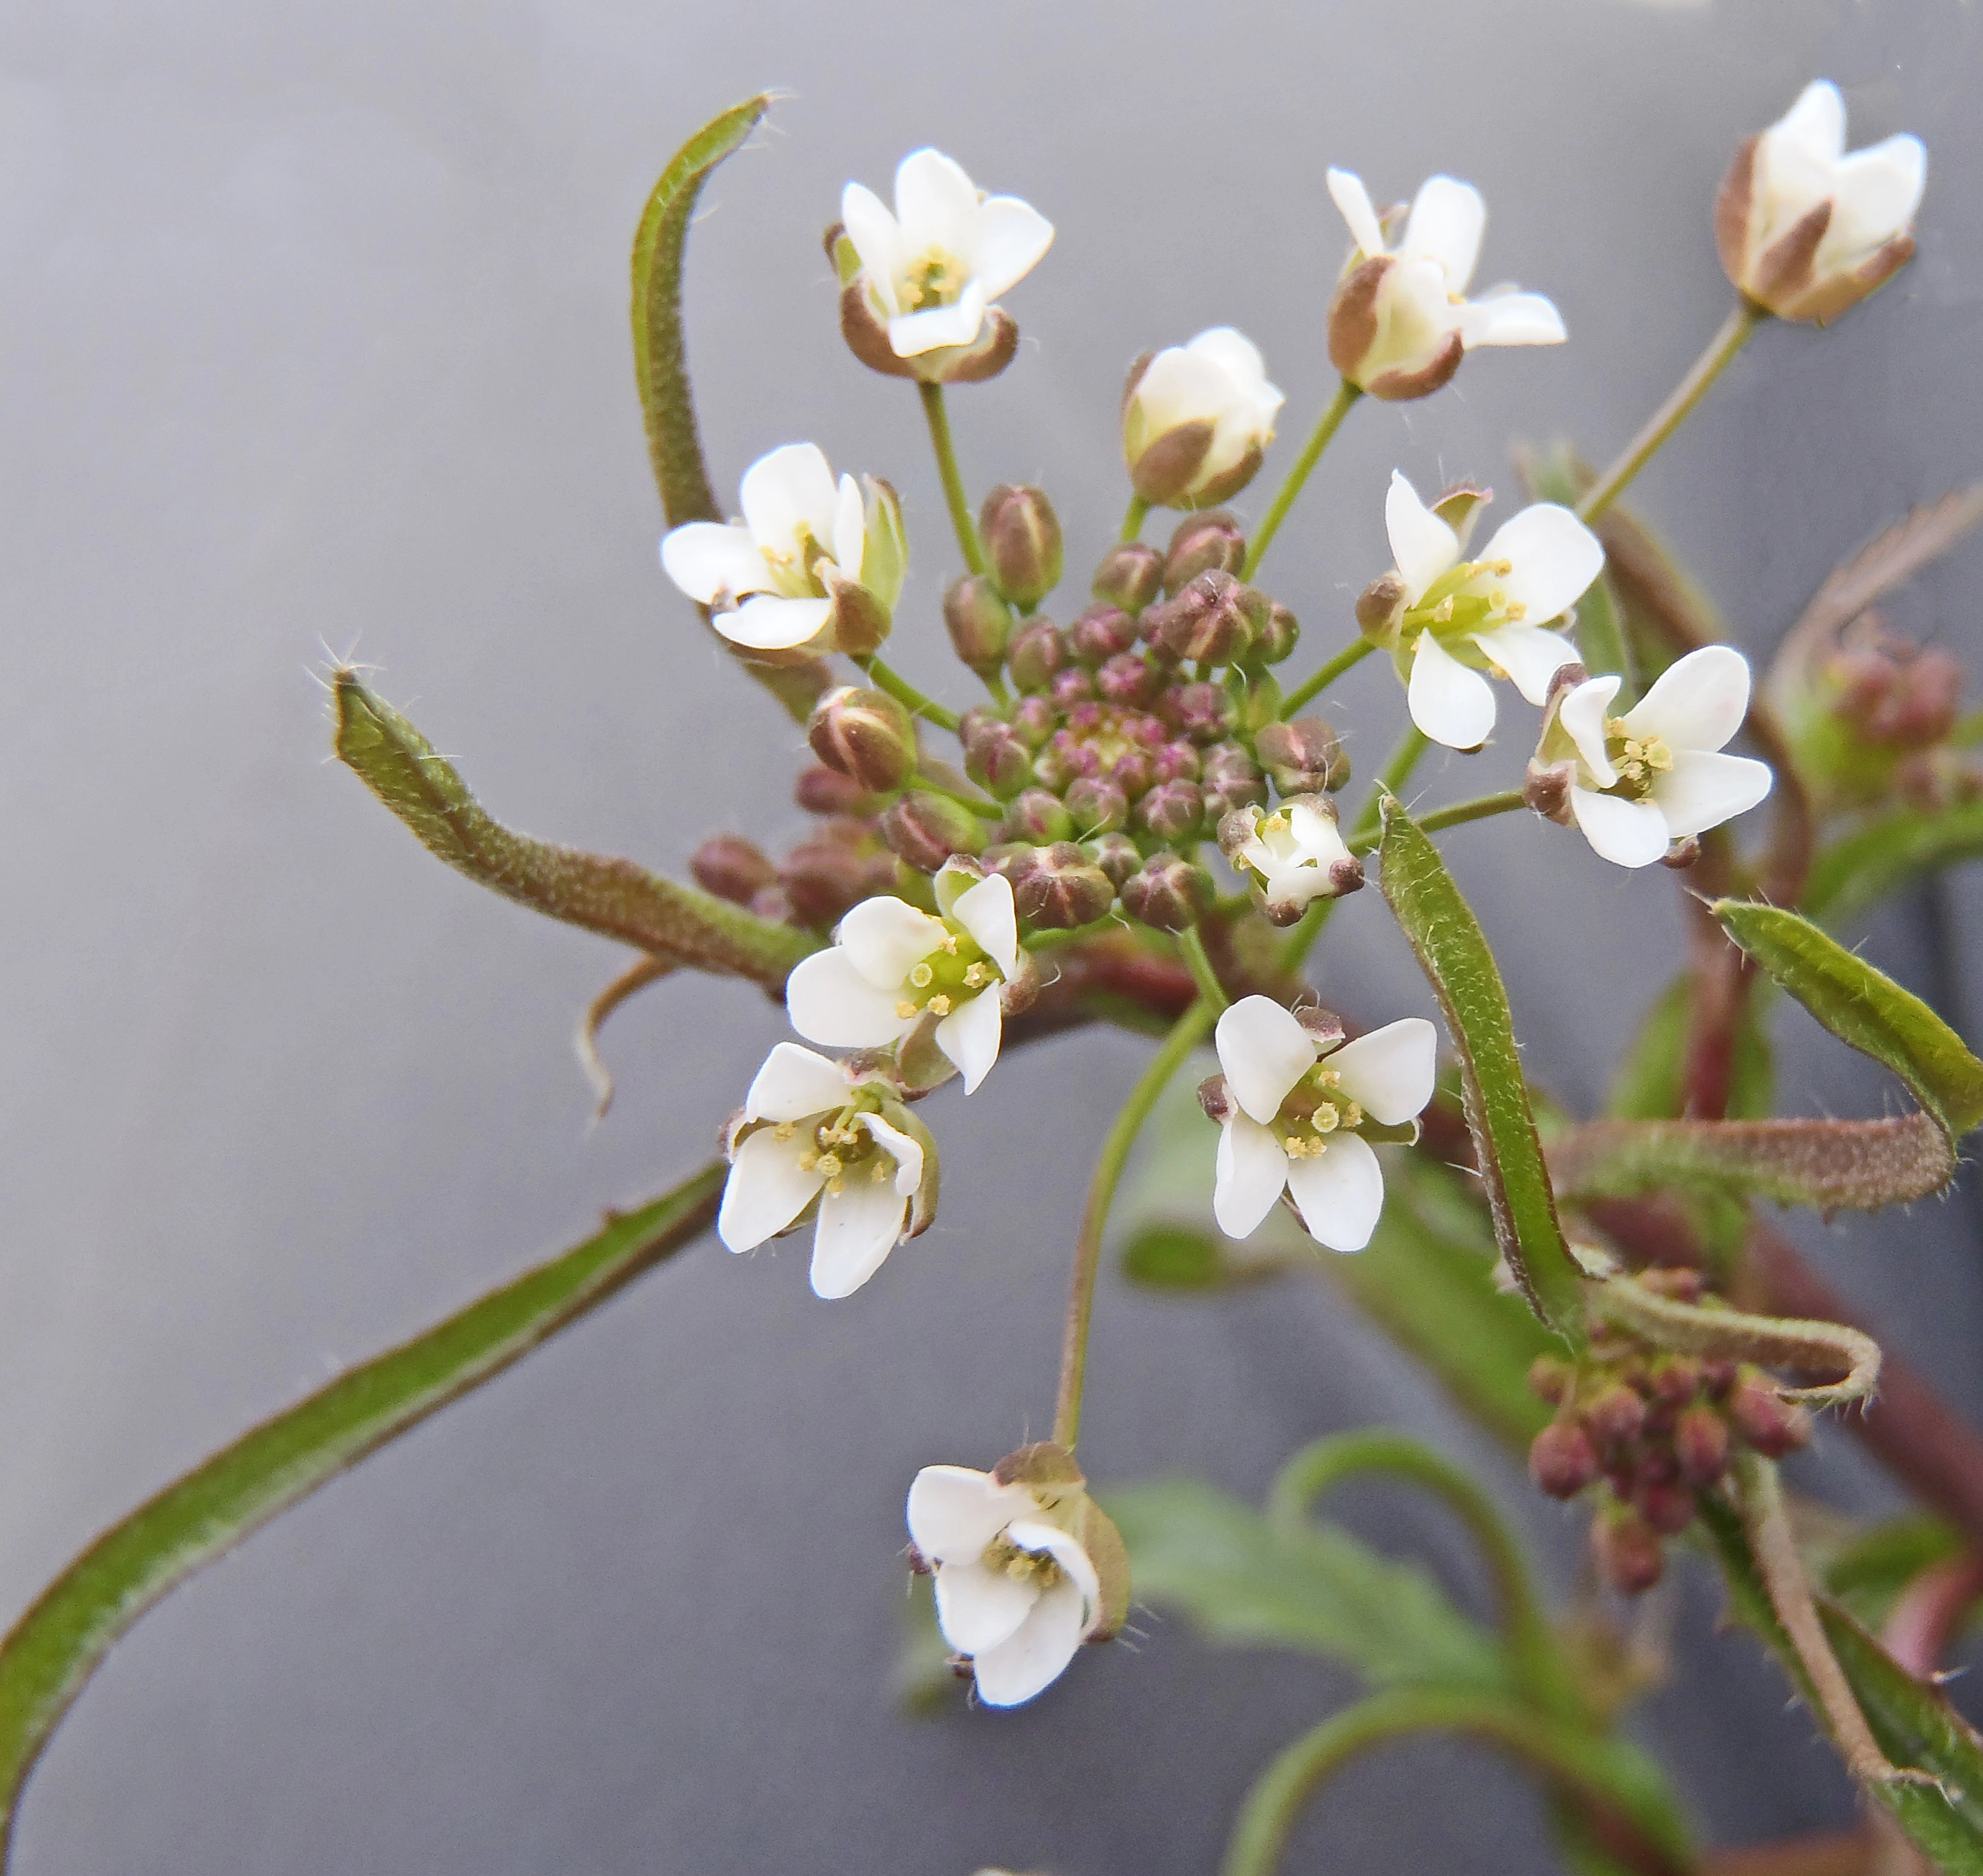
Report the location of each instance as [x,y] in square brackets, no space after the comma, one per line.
[1648,1085]
[1864,1008]
[614,898]
[54,1648]
[1857,872]
[1316,1589]
[1454,953]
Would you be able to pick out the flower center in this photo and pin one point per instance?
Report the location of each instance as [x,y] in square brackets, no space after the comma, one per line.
[1464,600]
[1316,1107]
[795,567]
[952,973]
[935,280]
[1036,1567]
[1638,759]
[839,1148]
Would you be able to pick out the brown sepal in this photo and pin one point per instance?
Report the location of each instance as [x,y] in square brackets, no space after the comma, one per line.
[1396,387]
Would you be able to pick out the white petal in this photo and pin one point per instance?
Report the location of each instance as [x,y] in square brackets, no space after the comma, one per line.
[1264,1051]
[770,623]
[827,1000]
[788,494]
[1584,713]
[914,333]
[1530,655]
[706,558]
[987,912]
[904,1149]
[877,239]
[1035,1657]
[1511,319]
[977,1607]
[858,1226]
[1182,386]
[1553,559]
[954,1513]
[1626,833]
[1252,1174]
[1421,545]
[1346,190]
[1876,194]
[970,1035]
[1315,835]
[1701,790]
[766,1190]
[1450,702]
[849,541]
[1446,224]
[1389,1072]
[887,937]
[794,1083]
[1815,124]
[1036,1535]
[1341,1194]
[935,203]
[1012,235]
[1238,356]
[1698,702]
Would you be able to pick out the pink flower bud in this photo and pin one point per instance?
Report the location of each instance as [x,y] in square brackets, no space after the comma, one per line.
[1037,652]
[865,734]
[1668,1508]
[1562,1460]
[732,867]
[1210,541]
[1097,808]
[926,829]
[1130,577]
[1022,542]
[1614,1415]
[1550,1378]
[1169,893]
[1701,1444]
[1304,757]
[1628,1552]
[979,622]
[1763,1419]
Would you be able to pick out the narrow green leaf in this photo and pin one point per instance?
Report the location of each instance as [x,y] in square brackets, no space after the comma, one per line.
[1856,873]
[614,897]
[1317,1589]
[1454,953]
[1864,1008]
[54,1648]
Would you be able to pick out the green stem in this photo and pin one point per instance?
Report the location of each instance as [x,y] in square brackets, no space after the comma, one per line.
[953,483]
[1185,1034]
[1326,425]
[907,695]
[1365,841]
[983,809]
[1209,988]
[1744,318]
[1351,655]
[1132,521]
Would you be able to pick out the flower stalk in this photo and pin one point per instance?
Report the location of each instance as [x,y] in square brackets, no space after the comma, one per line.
[1319,438]
[938,415]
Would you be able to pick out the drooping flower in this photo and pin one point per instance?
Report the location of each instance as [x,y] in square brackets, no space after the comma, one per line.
[1197,420]
[1637,783]
[1400,321]
[892,968]
[1296,1104]
[918,285]
[811,563]
[1447,619]
[1294,855]
[1806,230]
[806,1135]
[1027,1567]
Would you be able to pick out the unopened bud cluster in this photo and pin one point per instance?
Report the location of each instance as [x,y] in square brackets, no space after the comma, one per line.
[1657,1428]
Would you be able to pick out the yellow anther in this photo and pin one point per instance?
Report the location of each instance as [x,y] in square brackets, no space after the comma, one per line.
[1516,613]
[976,977]
[881,1171]
[1352,1115]
[784,1130]
[1495,670]
[939,1006]
[922,977]
[829,1165]
[834,1186]
[808,1161]
[905,1009]
[1443,613]
[1501,569]
[950,943]
[1329,1078]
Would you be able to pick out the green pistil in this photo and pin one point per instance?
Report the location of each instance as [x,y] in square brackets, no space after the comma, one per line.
[1316,1108]
[1640,761]
[952,974]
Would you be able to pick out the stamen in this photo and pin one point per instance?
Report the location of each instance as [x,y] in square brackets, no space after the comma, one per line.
[829,1165]
[1442,613]
[976,977]
[939,1006]
[1324,1119]
[1517,613]
[784,1130]
[905,1009]
[1352,1115]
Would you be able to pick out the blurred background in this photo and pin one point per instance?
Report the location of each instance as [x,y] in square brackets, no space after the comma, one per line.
[315,325]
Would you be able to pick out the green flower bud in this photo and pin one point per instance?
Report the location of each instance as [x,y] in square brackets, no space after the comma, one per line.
[1213,619]
[1172,811]
[1116,854]
[1097,806]
[1204,543]
[1059,888]
[1303,757]
[865,734]
[1037,818]
[1279,636]
[924,830]
[1169,893]
[980,624]
[1131,576]
[1022,542]
[1038,653]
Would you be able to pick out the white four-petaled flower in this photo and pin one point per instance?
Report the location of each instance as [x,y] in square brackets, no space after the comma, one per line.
[1400,321]
[1457,615]
[805,547]
[891,967]
[806,1133]
[1293,1108]
[934,266]
[1656,774]
[1014,1591]
[1297,854]
[1198,418]
[1806,230]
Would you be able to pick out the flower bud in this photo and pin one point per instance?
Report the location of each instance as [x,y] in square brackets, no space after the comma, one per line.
[1116,854]
[1214,619]
[1767,1422]
[1627,1551]
[865,734]
[979,622]
[994,756]
[1126,678]
[1668,1508]
[1033,720]
[1379,607]
[1172,812]
[925,829]
[1037,818]
[1279,636]
[1230,780]
[1060,887]
[1097,806]
[1674,1379]
[1101,633]
[1070,687]
[825,879]
[1037,652]
[1562,1460]
[732,867]
[1304,757]
[1169,893]
[1207,543]
[1201,712]
[1131,576]
[1197,420]
[1614,1415]
[1550,1378]
[1022,542]
[1701,1444]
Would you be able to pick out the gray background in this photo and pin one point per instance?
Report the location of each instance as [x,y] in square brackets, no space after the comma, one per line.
[315,322]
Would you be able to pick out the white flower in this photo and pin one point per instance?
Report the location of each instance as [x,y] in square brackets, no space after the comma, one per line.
[807,1133]
[891,967]
[1807,231]
[806,554]
[933,268]
[1293,1114]
[1014,1591]
[1197,418]
[1400,321]
[1454,616]
[1656,775]
[1295,854]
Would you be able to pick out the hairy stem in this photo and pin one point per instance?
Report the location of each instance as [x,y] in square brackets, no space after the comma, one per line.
[1326,425]
[906,695]
[1744,317]
[1351,655]
[938,416]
